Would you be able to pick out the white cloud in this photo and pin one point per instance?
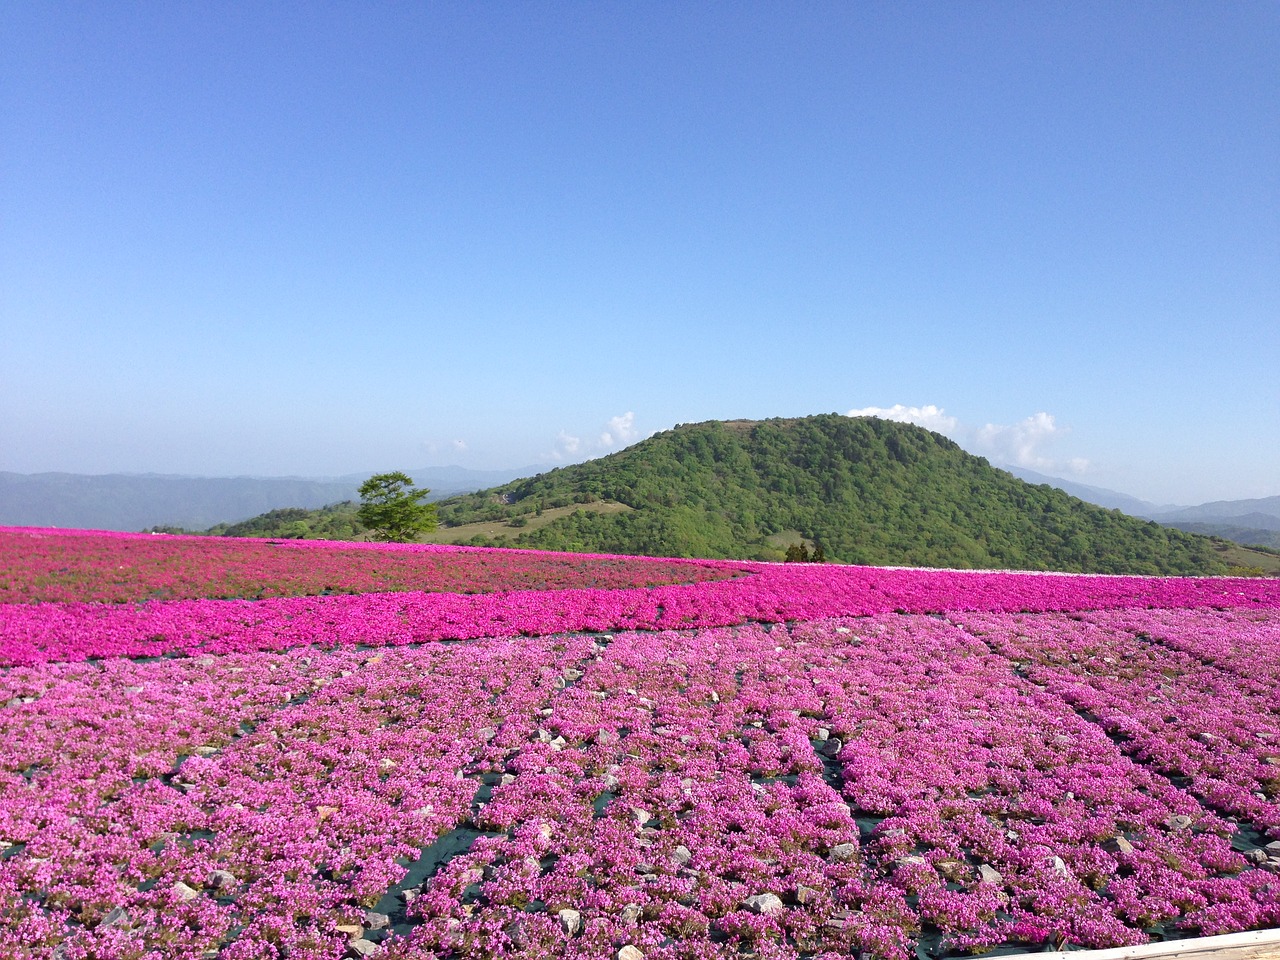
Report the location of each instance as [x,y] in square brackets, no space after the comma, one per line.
[619,431]
[1023,444]
[1077,465]
[929,416]
[437,447]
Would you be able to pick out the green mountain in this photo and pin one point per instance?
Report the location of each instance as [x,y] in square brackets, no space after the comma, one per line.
[865,490]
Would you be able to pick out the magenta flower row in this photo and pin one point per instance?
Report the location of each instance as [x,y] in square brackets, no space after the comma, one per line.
[1213,731]
[43,565]
[770,593]
[815,789]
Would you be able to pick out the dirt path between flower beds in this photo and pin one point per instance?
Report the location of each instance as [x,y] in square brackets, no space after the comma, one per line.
[1251,945]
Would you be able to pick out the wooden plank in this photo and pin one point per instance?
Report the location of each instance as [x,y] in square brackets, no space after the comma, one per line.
[1252,945]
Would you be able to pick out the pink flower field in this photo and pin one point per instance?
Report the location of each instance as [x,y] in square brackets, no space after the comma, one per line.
[236,749]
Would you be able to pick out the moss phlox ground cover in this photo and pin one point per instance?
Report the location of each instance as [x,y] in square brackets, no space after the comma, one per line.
[52,565]
[783,762]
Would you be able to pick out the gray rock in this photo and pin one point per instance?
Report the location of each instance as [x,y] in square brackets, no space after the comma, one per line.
[1118,844]
[184,892]
[1177,822]
[682,855]
[1256,857]
[952,870]
[116,917]
[516,933]
[361,947]
[831,747]
[989,874]
[570,921]
[630,913]
[221,880]
[844,851]
[1273,848]
[822,733]
[1060,867]
[805,895]
[376,921]
[763,903]
[628,952]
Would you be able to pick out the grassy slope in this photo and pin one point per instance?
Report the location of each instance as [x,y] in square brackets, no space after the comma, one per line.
[502,531]
[1240,558]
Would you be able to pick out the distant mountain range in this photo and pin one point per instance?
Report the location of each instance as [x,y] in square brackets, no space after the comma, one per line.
[140,501]
[1250,522]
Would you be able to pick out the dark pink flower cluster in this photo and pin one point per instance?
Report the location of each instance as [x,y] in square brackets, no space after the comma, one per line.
[768,593]
[49,565]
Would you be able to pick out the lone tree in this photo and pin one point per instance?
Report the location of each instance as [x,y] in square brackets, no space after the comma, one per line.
[393,509]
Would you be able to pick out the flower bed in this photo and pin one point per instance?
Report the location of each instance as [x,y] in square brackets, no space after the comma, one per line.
[46,565]
[729,593]
[322,777]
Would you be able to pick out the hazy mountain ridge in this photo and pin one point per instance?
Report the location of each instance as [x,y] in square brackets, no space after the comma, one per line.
[1263,513]
[140,501]
[1254,522]
[1100,496]
[1268,539]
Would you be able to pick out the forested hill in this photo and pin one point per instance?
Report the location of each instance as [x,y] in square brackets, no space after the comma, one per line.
[865,490]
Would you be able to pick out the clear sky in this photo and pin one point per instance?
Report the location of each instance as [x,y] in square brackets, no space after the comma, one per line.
[313,239]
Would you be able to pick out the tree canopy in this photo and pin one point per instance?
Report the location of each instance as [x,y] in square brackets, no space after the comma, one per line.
[392,508]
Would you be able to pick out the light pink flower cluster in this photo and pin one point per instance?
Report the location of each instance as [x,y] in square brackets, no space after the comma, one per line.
[851,784]
[1211,730]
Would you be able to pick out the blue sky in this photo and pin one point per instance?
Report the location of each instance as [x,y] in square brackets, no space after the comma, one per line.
[317,239]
